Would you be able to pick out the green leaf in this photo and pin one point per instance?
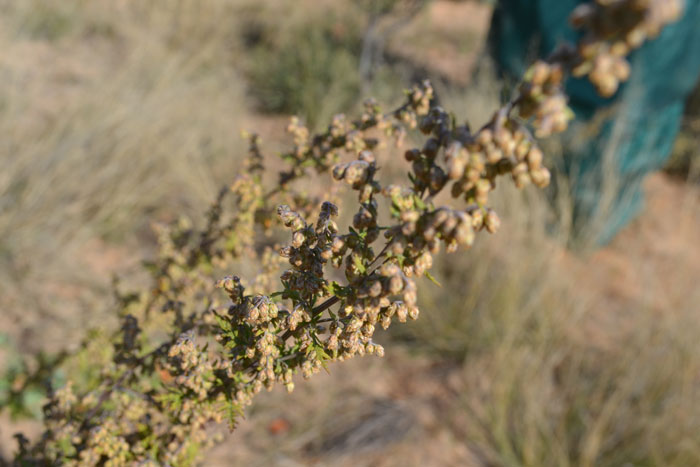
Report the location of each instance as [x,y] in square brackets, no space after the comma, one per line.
[224,324]
[321,353]
[362,235]
[400,258]
[233,411]
[395,212]
[358,264]
[231,243]
[32,401]
[371,208]
[338,290]
[432,279]
[323,357]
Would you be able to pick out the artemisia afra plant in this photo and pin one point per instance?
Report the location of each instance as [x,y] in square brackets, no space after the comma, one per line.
[193,351]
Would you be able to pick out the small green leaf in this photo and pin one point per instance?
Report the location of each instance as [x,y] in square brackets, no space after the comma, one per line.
[432,279]
[336,289]
[233,412]
[321,353]
[358,264]
[395,212]
[322,357]
[223,323]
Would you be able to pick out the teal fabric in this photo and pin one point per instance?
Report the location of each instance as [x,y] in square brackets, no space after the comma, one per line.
[636,128]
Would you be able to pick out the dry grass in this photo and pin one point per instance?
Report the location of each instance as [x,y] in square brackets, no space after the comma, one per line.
[112,114]
[555,387]
[684,160]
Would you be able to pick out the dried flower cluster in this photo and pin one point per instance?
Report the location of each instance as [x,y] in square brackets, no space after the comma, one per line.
[613,29]
[187,357]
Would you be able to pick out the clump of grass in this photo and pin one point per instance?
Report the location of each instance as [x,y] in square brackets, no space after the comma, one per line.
[308,60]
[47,20]
[298,73]
[684,158]
[544,393]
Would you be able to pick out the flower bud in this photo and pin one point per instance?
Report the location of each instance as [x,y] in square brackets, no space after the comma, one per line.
[412,155]
[375,289]
[464,233]
[395,285]
[356,173]
[431,148]
[534,158]
[389,269]
[438,178]
[484,137]
[367,156]
[339,171]
[491,221]
[410,297]
[540,73]
[541,177]
[401,312]
[298,239]
[337,245]
[477,219]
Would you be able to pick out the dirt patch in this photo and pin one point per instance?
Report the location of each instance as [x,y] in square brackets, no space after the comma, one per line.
[652,264]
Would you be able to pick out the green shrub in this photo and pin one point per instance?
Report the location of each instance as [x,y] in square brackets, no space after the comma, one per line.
[312,73]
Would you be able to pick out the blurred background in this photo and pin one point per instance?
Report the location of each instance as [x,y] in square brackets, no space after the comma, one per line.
[572,337]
